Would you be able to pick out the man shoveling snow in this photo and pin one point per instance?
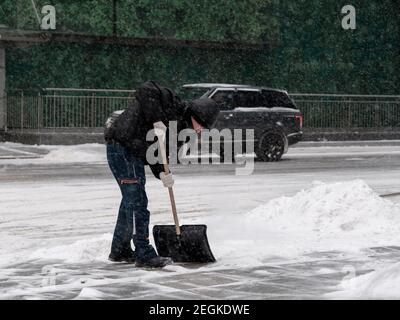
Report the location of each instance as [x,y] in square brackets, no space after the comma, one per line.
[126,154]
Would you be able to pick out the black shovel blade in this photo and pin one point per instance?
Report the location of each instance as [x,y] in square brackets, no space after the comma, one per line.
[191,246]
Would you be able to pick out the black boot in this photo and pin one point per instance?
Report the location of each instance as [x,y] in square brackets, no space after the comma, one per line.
[127,256]
[156,262]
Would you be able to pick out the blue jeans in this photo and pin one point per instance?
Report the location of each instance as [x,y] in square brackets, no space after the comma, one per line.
[133,217]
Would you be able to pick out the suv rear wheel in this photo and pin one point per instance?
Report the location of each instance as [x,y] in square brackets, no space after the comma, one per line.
[271,147]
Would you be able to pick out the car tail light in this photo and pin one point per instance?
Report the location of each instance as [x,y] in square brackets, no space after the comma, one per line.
[299,120]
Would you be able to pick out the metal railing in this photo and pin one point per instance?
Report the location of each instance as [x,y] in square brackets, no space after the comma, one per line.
[55,108]
[63,108]
[349,112]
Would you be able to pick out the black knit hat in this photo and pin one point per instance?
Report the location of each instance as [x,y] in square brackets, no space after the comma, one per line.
[203,110]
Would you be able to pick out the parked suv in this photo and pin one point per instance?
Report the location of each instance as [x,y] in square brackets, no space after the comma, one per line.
[273,115]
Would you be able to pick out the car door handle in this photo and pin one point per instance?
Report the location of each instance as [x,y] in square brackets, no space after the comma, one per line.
[228,116]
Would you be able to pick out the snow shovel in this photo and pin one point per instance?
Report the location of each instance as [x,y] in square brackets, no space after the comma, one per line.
[187,243]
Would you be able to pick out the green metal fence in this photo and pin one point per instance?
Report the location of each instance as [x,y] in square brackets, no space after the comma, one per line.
[349,111]
[85,108]
[63,108]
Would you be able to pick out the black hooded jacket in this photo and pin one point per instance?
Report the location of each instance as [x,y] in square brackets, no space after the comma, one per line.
[155,103]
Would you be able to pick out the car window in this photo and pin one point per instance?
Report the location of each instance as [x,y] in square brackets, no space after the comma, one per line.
[224,99]
[194,93]
[248,99]
[277,99]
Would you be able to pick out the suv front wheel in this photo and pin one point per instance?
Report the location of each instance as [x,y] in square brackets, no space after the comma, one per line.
[271,147]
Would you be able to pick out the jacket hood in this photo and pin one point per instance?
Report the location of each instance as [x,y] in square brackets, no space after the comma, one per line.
[166,98]
[204,110]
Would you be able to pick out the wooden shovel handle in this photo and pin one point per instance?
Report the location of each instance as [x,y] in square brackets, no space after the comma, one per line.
[161,137]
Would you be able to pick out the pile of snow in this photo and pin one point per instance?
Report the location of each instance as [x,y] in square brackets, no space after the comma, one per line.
[90,294]
[345,216]
[332,210]
[83,153]
[82,251]
[379,284]
[77,153]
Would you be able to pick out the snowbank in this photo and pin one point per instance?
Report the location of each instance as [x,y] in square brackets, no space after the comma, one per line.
[332,210]
[43,154]
[345,216]
[82,251]
[78,153]
[90,294]
[379,284]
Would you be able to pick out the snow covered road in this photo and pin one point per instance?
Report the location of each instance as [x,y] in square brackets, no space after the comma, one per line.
[58,212]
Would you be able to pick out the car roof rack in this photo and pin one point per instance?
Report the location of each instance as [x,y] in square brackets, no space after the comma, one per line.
[226,85]
[214,85]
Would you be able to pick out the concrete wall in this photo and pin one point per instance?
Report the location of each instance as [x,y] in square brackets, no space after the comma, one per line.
[59,138]
[76,136]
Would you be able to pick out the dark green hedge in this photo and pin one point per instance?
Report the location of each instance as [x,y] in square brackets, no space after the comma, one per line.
[310,51]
